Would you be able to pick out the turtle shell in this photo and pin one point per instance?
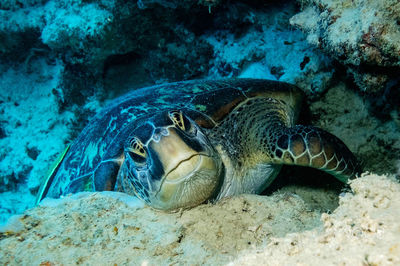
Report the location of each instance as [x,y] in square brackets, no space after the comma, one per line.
[206,102]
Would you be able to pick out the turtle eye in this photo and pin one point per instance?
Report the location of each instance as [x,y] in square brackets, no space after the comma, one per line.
[137,150]
[180,121]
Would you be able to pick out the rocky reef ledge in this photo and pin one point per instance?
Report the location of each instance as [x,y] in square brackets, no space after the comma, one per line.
[112,228]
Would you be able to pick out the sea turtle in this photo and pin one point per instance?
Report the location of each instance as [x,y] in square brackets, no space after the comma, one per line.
[181,144]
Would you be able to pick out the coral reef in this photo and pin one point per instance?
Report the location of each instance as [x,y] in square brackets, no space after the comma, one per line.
[363,35]
[110,228]
[162,40]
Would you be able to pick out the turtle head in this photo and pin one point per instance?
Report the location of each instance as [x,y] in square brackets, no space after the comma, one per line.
[170,163]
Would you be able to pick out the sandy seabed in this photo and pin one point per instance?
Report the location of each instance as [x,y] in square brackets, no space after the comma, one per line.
[282,229]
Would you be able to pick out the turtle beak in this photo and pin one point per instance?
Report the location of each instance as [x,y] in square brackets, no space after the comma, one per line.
[191,172]
[186,168]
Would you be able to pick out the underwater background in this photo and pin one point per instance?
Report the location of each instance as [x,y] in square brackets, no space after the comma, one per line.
[61,61]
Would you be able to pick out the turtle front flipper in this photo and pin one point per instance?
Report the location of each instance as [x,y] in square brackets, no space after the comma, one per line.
[313,147]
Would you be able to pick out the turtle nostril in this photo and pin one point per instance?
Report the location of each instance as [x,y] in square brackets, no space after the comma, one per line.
[159,133]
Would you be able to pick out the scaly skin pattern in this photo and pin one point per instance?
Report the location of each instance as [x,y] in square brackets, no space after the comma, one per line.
[313,147]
